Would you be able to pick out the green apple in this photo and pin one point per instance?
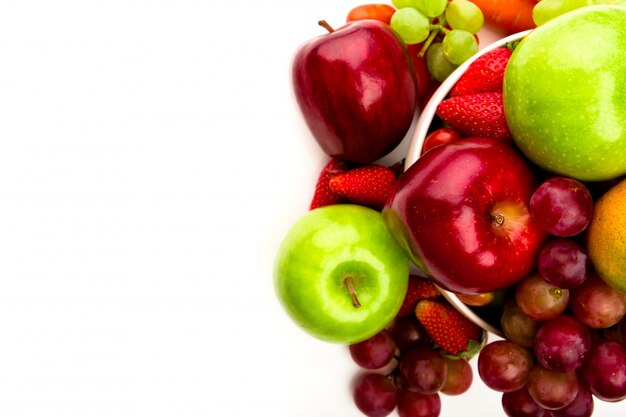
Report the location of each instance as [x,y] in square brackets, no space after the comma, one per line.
[565,94]
[340,274]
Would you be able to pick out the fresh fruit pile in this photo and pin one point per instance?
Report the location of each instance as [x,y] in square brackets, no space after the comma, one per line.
[425,351]
[483,216]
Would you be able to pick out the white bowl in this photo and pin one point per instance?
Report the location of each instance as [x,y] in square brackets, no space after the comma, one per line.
[477,315]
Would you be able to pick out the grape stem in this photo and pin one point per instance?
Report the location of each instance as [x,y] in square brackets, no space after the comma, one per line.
[326,26]
[440,27]
[348,280]
[428,42]
[434,31]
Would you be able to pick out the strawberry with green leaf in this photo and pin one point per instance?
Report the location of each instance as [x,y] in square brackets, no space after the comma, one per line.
[454,333]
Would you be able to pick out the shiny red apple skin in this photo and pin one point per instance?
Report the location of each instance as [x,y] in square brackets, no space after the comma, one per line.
[356,89]
[446,211]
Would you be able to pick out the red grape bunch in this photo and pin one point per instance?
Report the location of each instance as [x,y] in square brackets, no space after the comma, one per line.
[564,326]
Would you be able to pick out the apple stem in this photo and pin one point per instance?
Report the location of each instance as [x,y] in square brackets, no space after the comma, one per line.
[326,26]
[497,219]
[349,282]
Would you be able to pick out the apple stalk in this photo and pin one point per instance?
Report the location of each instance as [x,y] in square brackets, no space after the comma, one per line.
[348,281]
[326,26]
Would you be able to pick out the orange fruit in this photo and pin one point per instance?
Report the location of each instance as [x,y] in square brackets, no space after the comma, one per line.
[606,237]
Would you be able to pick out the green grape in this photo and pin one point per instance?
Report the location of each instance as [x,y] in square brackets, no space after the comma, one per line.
[431,8]
[459,45]
[464,15]
[438,66]
[412,26]
[399,4]
[549,9]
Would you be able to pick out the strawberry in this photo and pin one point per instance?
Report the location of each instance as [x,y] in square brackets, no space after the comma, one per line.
[368,185]
[323,195]
[480,114]
[483,75]
[419,288]
[454,333]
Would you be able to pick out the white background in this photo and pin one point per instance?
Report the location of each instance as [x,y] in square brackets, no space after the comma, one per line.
[151,160]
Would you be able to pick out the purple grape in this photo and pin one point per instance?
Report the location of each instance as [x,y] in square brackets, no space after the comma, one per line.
[375,395]
[519,403]
[539,299]
[423,370]
[562,343]
[563,263]
[409,333]
[604,370]
[550,389]
[562,206]
[412,404]
[459,377]
[582,406]
[517,326]
[375,352]
[504,365]
[596,304]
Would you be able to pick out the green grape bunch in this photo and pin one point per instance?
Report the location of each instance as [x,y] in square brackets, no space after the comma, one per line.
[448,26]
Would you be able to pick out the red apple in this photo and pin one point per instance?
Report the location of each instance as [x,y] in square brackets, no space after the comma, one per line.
[356,89]
[461,212]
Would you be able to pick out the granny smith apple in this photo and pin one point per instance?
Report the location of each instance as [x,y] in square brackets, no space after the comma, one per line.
[565,94]
[339,273]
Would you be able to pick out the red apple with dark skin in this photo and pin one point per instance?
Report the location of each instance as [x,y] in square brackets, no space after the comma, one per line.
[356,89]
[461,212]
